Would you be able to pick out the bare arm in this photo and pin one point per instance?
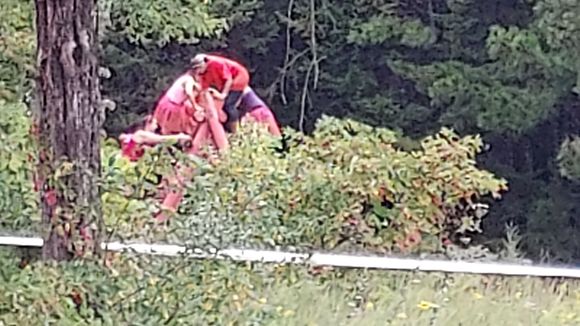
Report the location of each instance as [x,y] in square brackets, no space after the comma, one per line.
[227,75]
[227,87]
[214,92]
[211,110]
[191,92]
[143,136]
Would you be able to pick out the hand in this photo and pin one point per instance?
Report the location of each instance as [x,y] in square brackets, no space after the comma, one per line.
[183,137]
[199,115]
[215,93]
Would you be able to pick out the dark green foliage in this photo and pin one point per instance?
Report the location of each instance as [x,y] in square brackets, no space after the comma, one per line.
[569,159]
[506,69]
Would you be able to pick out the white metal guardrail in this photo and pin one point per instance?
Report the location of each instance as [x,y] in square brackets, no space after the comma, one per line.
[323,259]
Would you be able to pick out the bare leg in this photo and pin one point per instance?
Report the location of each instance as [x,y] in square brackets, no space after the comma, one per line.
[216,129]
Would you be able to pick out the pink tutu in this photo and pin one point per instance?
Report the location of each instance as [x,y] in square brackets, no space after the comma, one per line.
[174,118]
[261,114]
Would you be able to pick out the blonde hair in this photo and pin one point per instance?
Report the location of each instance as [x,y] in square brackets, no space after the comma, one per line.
[198,60]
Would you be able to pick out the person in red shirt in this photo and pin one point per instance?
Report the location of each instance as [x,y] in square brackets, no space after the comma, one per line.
[229,77]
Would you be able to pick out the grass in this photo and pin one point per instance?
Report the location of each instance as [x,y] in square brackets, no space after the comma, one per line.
[157,291]
[433,299]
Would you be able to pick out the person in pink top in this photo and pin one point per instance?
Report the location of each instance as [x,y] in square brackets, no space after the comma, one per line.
[203,124]
[209,131]
[145,133]
[176,112]
[185,108]
[177,109]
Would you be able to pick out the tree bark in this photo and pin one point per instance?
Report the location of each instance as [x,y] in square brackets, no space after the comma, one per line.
[69,121]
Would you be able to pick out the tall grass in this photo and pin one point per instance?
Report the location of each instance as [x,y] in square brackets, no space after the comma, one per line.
[432,299]
[157,291]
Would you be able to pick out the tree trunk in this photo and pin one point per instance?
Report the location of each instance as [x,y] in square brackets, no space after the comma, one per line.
[69,123]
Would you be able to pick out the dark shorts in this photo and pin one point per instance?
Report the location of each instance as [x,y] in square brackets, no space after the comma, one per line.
[230,106]
[250,102]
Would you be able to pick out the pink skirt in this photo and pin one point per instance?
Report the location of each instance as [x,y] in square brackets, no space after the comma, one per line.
[174,118]
[261,114]
[264,115]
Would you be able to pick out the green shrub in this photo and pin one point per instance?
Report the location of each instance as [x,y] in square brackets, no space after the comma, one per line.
[568,159]
[348,185]
[17,47]
[18,200]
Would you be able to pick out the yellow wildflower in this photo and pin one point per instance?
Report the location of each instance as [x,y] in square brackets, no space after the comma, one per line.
[369,306]
[570,316]
[426,305]
[235,297]
[279,309]
[477,295]
[164,297]
[288,313]
[153,281]
[263,300]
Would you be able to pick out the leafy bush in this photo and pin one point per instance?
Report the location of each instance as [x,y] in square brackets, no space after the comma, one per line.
[16,47]
[347,185]
[569,159]
[18,201]
[129,291]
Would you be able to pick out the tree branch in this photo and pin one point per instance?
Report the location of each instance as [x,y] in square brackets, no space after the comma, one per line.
[287,58]
[313,46]
[282,76]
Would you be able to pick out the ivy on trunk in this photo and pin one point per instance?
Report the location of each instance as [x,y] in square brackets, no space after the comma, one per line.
[69,123]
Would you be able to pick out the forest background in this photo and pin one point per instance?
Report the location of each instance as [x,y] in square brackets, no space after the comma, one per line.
[507,70]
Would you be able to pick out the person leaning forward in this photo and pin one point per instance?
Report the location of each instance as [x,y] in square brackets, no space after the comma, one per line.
[229,77]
